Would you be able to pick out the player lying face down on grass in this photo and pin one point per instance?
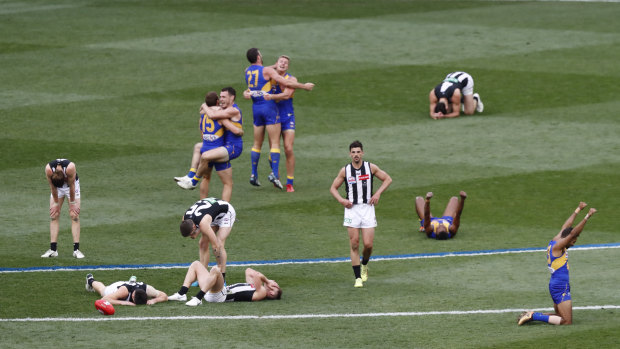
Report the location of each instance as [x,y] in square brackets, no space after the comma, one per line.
[257,287]
[126,292]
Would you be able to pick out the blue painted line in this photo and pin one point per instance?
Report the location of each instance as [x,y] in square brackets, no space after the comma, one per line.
[302,261]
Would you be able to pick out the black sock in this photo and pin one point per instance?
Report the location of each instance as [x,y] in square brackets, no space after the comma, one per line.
[200,295]
[90,282]
[357,272]
[183,290]
[53,246]
[76,246]
[365,261]
[224,277]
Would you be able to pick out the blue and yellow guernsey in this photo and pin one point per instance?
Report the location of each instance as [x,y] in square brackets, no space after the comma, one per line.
[230,137]
[284,106]
[257,84]
[558,266]
[212,132]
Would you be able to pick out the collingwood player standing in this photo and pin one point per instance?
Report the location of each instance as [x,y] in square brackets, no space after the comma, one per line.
[359,206]
[209,217]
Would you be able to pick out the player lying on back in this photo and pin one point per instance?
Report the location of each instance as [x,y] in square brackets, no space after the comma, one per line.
[256,287]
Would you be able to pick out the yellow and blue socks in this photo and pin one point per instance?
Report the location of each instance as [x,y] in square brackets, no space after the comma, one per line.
[289,180]
[274,155]
[255,156]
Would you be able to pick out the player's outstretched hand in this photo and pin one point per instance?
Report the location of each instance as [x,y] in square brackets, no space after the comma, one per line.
[463,195]
[429,195]
[582,205]
[308,86]
[592,211]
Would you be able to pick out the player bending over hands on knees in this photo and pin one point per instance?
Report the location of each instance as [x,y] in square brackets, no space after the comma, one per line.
[213,220]
[557,261]
[256,287]
[440,228]
[126,292]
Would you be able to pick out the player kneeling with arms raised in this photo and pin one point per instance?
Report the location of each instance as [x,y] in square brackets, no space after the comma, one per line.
[557,262]
[256,287]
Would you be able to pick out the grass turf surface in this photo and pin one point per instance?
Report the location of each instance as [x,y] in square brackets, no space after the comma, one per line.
[114,86]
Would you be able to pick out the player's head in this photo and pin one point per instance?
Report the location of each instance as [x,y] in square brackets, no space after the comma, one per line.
[253,55]
[566,232]
[227,96]
[442,233]
[282,63]
[139,297]
[187,227]
[58,178]
[356,144]
[274,292]
[211,99]
[440,107]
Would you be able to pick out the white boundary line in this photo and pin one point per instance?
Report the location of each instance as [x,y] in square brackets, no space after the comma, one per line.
[296,316]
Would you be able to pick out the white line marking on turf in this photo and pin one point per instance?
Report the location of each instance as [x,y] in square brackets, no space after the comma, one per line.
[298,316]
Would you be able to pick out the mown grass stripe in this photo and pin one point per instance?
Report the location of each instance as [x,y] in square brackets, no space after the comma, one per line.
[303,261]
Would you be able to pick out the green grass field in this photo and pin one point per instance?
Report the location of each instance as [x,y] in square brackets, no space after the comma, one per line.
[115,87]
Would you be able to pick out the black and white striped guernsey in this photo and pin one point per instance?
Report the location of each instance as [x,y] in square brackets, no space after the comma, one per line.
[241,292]
[359,183]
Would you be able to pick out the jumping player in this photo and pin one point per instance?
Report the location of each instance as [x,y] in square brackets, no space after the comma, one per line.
[213,132]
[265,113]
[445,99]
[283,96]
[557,262]
[229,114]
[440,228]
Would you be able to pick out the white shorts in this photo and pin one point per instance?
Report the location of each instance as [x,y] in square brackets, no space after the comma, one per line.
[219,297]
[113,287]
[225,220]
[64,191]
[360,216]
[469,88]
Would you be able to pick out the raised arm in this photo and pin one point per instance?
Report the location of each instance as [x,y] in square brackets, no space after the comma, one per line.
[456,222]
[272,74]
[571,218]
[565,241]
[427,213]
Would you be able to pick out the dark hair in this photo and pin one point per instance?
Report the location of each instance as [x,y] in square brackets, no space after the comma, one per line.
[231,91]
[58,178]
[441,107]
[356,144]
[566,232]
[443,235]
[277,296]
[139,296]
[187,227]
[211,99]
[252,55]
